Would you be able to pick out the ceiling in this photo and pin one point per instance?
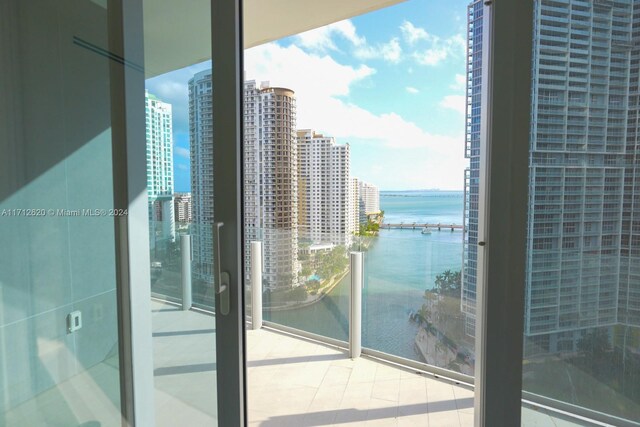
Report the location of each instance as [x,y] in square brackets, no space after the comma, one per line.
[177,33]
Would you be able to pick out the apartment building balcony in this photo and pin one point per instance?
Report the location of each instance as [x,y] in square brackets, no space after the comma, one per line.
[296,381]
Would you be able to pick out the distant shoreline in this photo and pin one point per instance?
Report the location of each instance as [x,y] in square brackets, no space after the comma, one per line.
[421,191]
[433,194]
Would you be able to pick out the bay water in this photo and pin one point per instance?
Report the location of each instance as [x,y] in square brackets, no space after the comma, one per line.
[399,266]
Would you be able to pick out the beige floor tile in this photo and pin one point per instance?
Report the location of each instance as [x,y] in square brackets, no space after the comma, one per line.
[321,418]
[358,390]
[444,419]
[413,421]
[296,382]
[385,372]
[413,390]
[336,375]
[363,373]
[386,390]
[387,422]
[380,409]
[351,424]
[466,419]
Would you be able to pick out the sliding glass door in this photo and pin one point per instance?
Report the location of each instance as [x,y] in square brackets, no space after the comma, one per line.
[119,263]
[192,133]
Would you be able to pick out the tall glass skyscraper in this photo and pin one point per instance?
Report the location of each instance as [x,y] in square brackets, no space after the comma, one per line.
[201,146]
[582,234]
[472,174]
[159,154]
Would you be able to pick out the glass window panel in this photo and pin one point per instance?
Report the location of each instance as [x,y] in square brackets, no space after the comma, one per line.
[582,328]
[59,359]
[354,140]
[181,203]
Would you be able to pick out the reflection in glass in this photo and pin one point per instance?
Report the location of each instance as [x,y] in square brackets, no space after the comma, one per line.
[59,339]
[582,335]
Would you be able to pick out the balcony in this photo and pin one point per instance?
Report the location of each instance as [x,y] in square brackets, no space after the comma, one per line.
[294,381]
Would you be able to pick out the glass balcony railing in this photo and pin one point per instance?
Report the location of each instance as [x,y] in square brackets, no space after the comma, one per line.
[411,295]
[166,260]
[169,277]
[412,299]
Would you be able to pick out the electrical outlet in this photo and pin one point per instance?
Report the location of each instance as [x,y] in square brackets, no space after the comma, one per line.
[74,321]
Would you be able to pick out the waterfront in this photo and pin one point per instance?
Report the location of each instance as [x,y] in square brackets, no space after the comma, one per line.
[399,266]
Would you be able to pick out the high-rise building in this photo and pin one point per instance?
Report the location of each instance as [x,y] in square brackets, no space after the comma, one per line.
[276,206]
[159,148]
[354,201]
[271,181]
[629,290]
[369,200]
[325,203]
[581,239]
[182,205]
[472,174]
[201,154]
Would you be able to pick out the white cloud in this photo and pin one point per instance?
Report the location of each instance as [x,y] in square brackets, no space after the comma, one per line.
[321,83]
[313,77]
[321,38]
[181,151]
[460,82]
[411,89]
[412,34]
[440,49]
[436,49]
[390,51]
[318,83]
[431,56]
[183,167]
[454,102]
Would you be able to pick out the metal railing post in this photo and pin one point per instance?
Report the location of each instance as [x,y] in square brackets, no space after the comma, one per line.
[256,285]
[355,306]
[185,253]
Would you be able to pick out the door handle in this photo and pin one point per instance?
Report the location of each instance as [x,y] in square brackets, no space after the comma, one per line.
[222,277]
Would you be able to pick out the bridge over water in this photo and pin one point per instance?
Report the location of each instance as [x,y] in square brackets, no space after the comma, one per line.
[420,226]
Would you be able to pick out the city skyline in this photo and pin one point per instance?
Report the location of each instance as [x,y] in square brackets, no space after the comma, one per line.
[397,75]
[297,184]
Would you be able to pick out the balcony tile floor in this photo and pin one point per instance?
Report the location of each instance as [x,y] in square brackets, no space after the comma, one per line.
[297,382]
[291,382]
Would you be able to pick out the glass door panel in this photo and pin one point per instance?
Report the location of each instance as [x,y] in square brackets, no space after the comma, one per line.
[59,341]
[582,315]
[190,142]
[354,141]
[68,255]
[180,170]
[180,190]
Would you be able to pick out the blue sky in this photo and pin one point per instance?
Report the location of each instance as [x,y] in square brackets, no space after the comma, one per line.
[390,83]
